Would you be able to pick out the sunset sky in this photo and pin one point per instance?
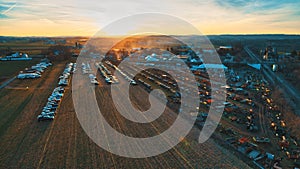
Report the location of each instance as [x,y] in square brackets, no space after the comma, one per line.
[86,17]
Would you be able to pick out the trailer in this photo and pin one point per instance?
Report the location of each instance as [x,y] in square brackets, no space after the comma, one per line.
[28,76]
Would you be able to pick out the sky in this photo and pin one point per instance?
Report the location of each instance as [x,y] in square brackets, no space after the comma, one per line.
[86,17]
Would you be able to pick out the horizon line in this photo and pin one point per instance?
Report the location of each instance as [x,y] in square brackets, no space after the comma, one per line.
[85,36]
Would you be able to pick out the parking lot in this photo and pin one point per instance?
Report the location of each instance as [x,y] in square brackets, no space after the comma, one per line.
[61,143]
[251,120]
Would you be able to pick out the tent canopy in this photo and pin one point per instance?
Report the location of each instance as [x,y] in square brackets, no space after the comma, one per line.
[255,66]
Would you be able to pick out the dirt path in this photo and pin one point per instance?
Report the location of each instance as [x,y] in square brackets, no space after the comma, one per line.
[7,82]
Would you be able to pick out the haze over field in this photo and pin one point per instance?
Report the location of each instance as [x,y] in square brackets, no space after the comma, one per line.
[74,17]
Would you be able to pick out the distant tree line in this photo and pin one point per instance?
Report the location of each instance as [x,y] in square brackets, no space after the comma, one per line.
[58,52]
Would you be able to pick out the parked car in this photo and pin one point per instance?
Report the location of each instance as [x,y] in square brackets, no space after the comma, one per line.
[45,118]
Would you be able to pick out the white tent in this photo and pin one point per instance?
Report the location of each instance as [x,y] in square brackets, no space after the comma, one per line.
[210,66]
[255,66]
[151,59]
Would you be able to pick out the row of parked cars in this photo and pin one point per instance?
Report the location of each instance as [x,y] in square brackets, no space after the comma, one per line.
[64,78]
[106,74]
[50,109]
[287,142]
[35,71]
[86,68]
[113,78]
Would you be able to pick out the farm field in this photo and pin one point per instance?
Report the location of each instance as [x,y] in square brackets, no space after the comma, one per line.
[62,143]
[8,69]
